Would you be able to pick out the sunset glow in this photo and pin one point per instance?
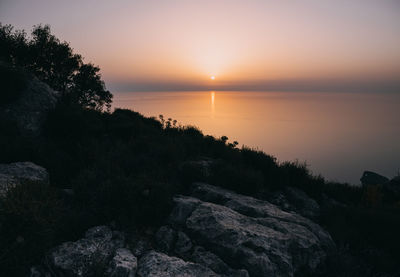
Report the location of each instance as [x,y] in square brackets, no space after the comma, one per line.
[164,45]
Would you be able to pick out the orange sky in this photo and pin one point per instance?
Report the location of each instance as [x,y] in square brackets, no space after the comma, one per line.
[244,44]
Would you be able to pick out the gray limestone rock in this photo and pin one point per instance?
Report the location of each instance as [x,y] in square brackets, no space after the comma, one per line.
[212,261]
[155,264]
[252,234]
[13,174]
[183,244]
[372,178]
[86,257]
[165,238]
[302,203]
[123,264]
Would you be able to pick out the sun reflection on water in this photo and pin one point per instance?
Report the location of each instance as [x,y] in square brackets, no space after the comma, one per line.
[212,104]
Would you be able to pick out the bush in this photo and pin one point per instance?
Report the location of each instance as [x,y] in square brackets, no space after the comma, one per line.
[30,223]
[13,82]
[54,62]
[238,178]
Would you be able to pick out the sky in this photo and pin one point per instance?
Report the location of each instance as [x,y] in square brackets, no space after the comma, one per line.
[247,45]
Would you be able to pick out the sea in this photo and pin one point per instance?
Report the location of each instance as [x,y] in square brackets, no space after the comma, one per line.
[338,135]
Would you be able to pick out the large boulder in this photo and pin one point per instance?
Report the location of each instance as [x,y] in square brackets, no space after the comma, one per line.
[165,239]
[294,199]
[15,173]
[155,264]
[183,244]
[124,264]
[251,234]
[29,110]
[372,178]
[91,255]
[170,241]
[215,263]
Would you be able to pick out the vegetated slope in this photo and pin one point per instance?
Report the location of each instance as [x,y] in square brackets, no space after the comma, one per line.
[126,168]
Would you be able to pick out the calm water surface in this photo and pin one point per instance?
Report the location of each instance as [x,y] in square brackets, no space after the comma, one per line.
[338,134]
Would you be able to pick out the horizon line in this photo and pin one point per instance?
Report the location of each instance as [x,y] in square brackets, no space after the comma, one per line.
[321,85]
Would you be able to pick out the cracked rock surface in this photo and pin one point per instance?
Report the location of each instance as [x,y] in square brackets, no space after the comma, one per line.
[249,233]
[212,232]
[13,174]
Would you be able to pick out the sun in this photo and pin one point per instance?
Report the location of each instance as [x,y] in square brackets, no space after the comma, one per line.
[212,77]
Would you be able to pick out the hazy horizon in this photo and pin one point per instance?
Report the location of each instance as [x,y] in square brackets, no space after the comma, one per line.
[246,45]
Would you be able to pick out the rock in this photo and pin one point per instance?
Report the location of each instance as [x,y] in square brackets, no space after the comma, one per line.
[118,236]
[165,238]
[183,244]
[35,272]
[296,200]
[251,234]
[209,259]
[155,264]
[182,211]
[141,246]
[170,241]
[372,178]
[15,173]
[99,232]
[25,171]
[212,261]
[124,264]
[302,203]
[85,257]
[6,183]
[279,198]
[245,205]
[31,107]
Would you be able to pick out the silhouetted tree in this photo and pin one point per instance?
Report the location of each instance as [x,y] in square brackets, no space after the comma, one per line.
[55,63]
[51,60]
[90,89]
[13,45]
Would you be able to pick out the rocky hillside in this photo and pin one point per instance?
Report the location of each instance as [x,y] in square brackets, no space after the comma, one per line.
[210,232]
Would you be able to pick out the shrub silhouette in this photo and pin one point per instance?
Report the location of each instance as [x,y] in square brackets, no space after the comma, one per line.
[30,216]
[13,82]
[55,63]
